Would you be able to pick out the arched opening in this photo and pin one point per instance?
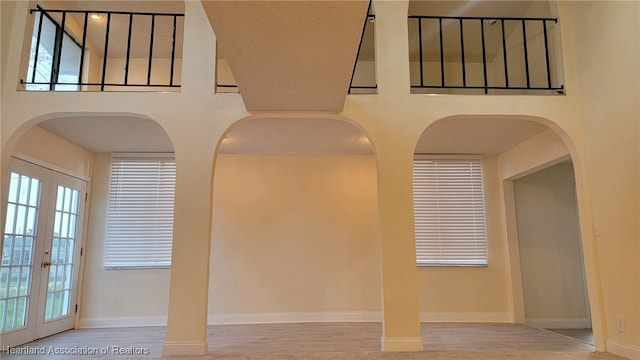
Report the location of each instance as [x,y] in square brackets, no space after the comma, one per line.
[295,238]
[517,235]
[67,163]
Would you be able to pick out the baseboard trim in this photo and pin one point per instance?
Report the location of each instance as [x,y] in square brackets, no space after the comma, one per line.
[574,323]
[121,321]
[185,348]
[401,344]
[624,350]
[280,318]
[466,317]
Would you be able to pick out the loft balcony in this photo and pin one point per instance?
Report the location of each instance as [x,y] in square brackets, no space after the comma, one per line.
[482,55]
[79,49]
[463,47]
[454,47]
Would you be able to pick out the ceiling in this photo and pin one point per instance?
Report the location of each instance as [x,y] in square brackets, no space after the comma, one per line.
[292,135]
[102,134]
[295,135]
[289,55]
[476,135]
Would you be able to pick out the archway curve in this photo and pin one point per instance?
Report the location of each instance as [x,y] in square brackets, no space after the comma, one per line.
[53,149]
[318,117]
[277,213]
[584,210]
[13,139]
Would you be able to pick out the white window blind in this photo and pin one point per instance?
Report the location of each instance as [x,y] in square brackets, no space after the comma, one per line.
[449,212]
[140,216]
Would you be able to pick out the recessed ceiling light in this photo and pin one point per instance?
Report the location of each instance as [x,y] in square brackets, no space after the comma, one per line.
[96,16]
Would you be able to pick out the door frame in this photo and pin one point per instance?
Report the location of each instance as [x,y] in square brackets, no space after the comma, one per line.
[85,213]
[515,286]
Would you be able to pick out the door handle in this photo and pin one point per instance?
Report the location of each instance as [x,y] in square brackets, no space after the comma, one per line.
[46,264]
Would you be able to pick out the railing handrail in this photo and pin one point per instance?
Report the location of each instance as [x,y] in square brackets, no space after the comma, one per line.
[482,18]
[104,12]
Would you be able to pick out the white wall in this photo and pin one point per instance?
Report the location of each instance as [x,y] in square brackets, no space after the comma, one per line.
[295,234]
[550,249]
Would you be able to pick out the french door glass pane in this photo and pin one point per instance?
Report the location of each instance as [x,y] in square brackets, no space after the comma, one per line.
[17,250]
[62,246]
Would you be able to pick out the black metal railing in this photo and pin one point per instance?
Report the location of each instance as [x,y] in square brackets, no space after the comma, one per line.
[57,57]
[483,54]
[368,36]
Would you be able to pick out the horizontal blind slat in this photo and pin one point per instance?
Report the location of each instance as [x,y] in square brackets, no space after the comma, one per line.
[449,212]
[140,212]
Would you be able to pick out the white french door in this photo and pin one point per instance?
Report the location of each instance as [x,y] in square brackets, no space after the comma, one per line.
[40,252]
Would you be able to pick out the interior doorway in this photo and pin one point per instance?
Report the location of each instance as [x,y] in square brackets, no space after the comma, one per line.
[550,249]
[40,252]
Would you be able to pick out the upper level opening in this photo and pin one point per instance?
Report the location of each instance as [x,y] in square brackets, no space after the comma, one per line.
[363,78]
[363,74]
[484,47]
[105,46]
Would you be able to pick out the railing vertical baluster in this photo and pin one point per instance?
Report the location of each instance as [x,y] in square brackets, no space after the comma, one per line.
[126,61]
[57,52]
[464,66]
[153,28]
[62,39]
[484,56]
[487,84]
[35,59]
[526,52]
[420,48]
[504,53]
[546,52]
[82,47]
[173,50]
[106,52]
[441,53]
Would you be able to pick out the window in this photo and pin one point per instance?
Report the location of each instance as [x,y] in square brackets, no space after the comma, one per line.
[449,211]
[140,215]
[54,59]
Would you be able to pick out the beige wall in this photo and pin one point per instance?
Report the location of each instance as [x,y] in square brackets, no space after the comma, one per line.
[295,234]
[138,71]
[116,297]
[607,66]
[598,118]
[6,22]
[468,294]
[52,149]
[550,249]
[536,153]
